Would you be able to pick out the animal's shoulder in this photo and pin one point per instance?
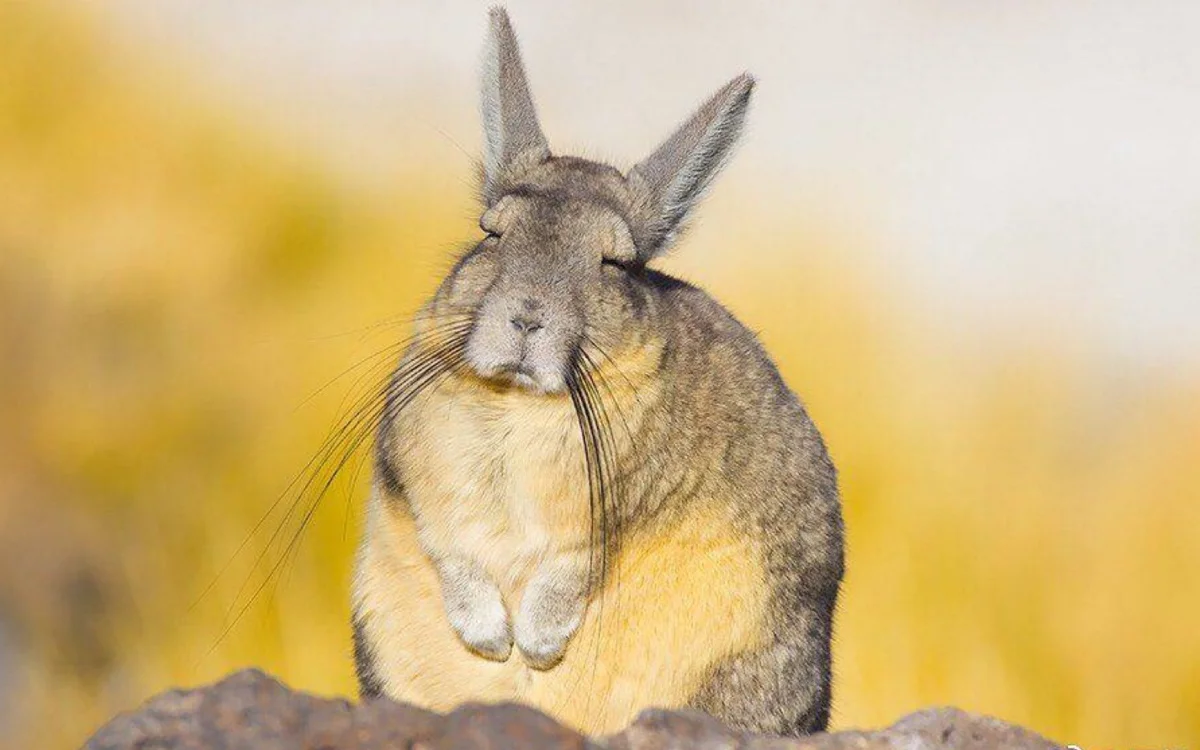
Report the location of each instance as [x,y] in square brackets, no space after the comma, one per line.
[700,329]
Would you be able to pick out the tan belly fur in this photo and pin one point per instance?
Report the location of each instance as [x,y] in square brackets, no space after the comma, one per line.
[498,477]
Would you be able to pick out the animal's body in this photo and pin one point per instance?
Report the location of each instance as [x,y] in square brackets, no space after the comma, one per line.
[594,462]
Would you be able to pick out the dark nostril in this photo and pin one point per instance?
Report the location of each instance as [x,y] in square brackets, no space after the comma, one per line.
[526,324]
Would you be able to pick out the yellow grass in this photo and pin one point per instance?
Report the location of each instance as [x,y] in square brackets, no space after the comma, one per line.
[1024,529]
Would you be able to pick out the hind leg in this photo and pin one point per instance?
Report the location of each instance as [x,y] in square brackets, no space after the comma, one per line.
[782,687]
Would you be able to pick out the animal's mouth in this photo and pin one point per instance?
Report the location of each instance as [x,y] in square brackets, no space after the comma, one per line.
[518,374]
[516,369]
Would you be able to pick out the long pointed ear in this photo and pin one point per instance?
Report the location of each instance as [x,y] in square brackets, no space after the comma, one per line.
[510,124]
[674,178]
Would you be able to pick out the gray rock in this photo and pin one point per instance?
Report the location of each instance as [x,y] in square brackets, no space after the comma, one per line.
[250,710]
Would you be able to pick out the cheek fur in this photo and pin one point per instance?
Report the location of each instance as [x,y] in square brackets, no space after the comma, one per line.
[471,278]
[612,310]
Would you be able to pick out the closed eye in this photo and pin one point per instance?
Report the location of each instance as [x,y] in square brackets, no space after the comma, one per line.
[614,263]
[488,233]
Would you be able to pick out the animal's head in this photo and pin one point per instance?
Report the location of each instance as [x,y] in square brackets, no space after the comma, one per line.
[566,238]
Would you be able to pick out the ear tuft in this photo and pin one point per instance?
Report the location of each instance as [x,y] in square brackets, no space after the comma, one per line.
[675,177]
[510,124]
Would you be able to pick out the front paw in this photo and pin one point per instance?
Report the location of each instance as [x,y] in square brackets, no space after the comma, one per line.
[543,628]
[476,610]
[485,631]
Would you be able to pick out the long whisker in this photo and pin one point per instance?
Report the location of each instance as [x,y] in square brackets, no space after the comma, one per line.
[587,372]
[363,421]
[590,341]
[392,320]
[607,450]
[600,453]
[342,435]
[429,372]
[592,466]
[435,360]
[595,502]
[594,372]
[613,483]
[388,351]
[453,326]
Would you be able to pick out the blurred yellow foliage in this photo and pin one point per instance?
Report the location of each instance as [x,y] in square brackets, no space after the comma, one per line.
[1024,529]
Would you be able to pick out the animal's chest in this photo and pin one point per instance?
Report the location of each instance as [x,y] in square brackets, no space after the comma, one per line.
[499,478]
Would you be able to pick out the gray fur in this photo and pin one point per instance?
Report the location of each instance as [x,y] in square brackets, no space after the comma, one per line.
[510,124]
[557,271]
[675,177]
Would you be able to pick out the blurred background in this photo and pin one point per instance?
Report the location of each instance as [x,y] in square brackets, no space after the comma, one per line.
[969,233]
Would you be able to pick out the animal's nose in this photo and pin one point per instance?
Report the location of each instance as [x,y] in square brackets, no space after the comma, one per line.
[526,322]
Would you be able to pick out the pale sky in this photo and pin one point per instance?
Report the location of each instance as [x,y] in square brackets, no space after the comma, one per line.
[1013,160]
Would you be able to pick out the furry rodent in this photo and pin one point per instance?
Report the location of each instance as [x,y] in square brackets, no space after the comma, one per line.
[595,462]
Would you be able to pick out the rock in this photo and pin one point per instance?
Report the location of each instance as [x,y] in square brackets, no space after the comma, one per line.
[931,729]
[251,711]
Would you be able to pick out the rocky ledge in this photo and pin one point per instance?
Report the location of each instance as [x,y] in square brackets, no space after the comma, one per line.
[251,711]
